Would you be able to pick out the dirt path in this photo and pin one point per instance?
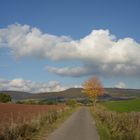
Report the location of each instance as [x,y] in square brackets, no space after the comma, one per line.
[80,126]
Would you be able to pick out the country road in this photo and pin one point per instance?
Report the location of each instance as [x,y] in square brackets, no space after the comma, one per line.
[80,126]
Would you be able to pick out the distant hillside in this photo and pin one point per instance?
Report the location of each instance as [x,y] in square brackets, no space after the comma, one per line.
[118,92]
[110,93]
[17,95]
[69,93]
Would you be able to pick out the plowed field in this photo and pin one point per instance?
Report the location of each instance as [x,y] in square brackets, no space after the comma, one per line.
[18,113]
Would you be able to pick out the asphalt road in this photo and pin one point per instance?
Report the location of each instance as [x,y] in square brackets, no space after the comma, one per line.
[80,126]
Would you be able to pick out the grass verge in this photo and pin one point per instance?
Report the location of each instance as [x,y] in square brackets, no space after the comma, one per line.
[102,129]
[121,126]
[49,128]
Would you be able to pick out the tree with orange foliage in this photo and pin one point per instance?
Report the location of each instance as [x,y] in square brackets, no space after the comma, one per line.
[93,88]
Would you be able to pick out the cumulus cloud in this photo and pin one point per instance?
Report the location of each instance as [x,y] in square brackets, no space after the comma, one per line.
[30,41]
[20,84]
[120,85]
[100,52]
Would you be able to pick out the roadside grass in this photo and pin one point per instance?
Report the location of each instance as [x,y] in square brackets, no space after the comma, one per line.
[114,125]
[123,106]
[103,132]
[102,129]
[46,129]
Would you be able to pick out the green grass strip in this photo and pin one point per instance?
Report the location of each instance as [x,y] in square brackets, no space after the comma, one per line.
[103,131]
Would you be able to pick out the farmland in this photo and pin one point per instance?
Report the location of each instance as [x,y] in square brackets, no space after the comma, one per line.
[124,106]
[17,114]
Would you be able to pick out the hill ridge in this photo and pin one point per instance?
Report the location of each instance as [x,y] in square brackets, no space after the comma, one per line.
[73,93]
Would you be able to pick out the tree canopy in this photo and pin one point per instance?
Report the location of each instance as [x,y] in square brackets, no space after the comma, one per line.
[93,87]
[5,98]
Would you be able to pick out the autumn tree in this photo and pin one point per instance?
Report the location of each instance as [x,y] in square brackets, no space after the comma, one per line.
[93,88]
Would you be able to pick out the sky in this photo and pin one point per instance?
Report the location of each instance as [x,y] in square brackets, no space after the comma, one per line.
[51,45]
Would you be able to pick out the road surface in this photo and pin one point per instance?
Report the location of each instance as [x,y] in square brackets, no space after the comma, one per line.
[80,126]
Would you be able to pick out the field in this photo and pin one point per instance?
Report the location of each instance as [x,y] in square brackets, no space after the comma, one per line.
[11,114]
[124,106]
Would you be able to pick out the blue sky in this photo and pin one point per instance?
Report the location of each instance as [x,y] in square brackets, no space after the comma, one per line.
[74,20]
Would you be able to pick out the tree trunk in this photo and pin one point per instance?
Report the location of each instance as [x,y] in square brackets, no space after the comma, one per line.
[94,103]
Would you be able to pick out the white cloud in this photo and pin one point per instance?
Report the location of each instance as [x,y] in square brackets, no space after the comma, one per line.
[27,41]
[20,84]
[120,85]
[99,52]
[78,86]
[68,71]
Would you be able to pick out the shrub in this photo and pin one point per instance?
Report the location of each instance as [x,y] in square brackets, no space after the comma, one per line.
[19,102]
[71,102]
[5,98]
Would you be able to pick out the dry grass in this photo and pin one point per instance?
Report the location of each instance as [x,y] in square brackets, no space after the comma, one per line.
[122,126]
[19,122]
